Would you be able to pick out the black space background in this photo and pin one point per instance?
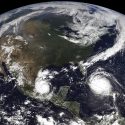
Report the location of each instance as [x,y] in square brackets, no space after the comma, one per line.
[118,5]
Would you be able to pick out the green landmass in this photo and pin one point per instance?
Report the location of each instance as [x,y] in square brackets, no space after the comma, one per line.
[59,99]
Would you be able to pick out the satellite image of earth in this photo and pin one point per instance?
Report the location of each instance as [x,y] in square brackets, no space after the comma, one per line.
[62,63]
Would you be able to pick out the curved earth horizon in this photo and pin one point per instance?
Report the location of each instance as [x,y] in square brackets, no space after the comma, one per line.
[62,63]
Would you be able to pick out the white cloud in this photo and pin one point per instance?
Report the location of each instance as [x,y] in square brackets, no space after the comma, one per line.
[45,121]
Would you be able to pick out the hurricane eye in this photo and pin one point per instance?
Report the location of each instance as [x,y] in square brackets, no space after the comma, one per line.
[100,83]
